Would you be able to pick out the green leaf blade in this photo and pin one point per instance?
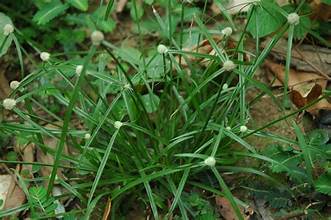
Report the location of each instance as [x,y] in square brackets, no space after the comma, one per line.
[49,12]
[79,4]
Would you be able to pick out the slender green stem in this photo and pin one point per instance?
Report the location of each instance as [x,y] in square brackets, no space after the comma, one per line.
[66,121]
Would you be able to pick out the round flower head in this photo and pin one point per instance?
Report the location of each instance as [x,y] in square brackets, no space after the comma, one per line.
[228,128]
[161,49]
[9,104]
[293,18]
[229,65]
[87,136]
[8,29]
[14,84]
[210,161]
[118,124]
[79,69]
[227,31]
[127,86]
[225,86]
[243,128]
[97,37]
[44,56]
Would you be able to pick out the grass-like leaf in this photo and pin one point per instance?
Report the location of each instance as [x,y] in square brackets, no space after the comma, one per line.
[49,12]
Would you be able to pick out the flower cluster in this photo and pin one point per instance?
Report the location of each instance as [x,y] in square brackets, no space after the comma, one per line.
[229,65]
[97,37]
[8,29]
[44,56]
[162,49]
[293,18]
[14,84]
[227,31]
[9,103]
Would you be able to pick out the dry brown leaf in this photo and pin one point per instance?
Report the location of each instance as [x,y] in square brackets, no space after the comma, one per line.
[225,208]
[4,86]
[27,151]
[295,77]
[28,156]
[48,158]
[227,212]
[321,11]
[304,57]
[305,86]
[11,194]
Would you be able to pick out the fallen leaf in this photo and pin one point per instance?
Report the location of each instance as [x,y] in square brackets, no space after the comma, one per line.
[227,212]
[304,57]
[300,101]
[4,86]
[305,87]
[321,11]
[27,151]
[295,78]
[48,158]
[10,193]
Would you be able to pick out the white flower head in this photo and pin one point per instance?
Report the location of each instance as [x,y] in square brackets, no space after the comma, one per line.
[14,84]
[243,129]
[293,18]
[225,86]
[210,161]
[8,29]
[79,69]
[227,31]
[97,37]
[118,124]
[228,128]
[229,65]
[44,56]
[127,86]
[87,136]
[9,103]
[162,49]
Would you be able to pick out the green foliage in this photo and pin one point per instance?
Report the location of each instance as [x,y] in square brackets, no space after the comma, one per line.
[205,210]
[268,13]
[327,2]
[292,162]
[141,123]
[43,203]
[49,11]
[79,4]
[5,41]
[323,184]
